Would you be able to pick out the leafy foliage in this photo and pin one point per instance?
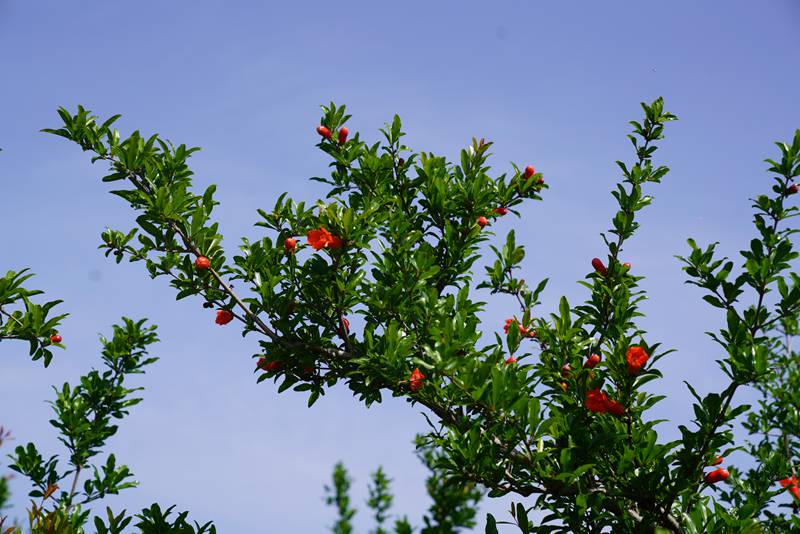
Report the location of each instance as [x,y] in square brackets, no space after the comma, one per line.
[554,410]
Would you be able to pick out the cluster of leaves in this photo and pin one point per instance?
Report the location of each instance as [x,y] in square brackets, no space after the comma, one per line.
[85,417]
[394,243]
[22,319]
[453,504]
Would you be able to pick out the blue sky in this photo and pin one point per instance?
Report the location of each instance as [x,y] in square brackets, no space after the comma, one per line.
[552,84]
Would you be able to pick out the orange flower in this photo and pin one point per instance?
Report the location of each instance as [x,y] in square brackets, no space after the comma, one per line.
[416,380]
[795,491]
[789,482]
[511,360]
[319,239]
[636,359]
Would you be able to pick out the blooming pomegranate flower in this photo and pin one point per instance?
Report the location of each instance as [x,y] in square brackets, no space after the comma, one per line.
[597,401]
[223,317]
[636,358]
[416,380]
[321,238]
[290,245]
[789,482]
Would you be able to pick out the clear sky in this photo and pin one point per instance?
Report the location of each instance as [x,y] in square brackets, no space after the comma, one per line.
[552,83]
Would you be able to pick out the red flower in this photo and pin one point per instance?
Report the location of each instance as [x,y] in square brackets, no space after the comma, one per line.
[502,210]
[529,171]
[598,402]
[322,238]
[223,317]
[636,358]
[795,491]
[717,460]
[717,475]
[482,221]
[324,132]
[627,265]
[597,263]
[55,338]
[202,263]
[346,324]
[789,482]
[615,408]
[269,366]
[540,181]
[792,189]
[343,131]
[530,332]
[566,369]
[416,380]
[511,360]
[290,245]
[592,361]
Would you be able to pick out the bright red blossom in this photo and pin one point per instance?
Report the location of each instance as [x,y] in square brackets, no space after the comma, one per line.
[290,245]
[223,317]
[346,324]
[502,210]
[717,460]
[343,131]
[530,332]
[416,380]
[599,402]
[482,221]
[321,238]
[788,482]
[511,360]
[636,358]
[55,338]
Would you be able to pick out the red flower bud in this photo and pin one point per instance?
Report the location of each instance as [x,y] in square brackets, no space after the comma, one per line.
[563,386]
[55,338]
[597,263]
[290,245]
[566,369]
[717,475]
[795,491]
[792,189]
[592,361]
[540,181]
[627,265]
[416,380]
[529,171]
[346,324]
[202,263]
[482,221]
[324,132]
[343,131]
[717,460]
[223,317]
[502,210]
[511,360]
